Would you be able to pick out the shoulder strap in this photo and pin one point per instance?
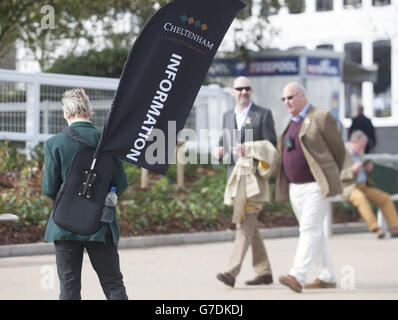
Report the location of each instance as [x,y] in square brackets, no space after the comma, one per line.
[72,133]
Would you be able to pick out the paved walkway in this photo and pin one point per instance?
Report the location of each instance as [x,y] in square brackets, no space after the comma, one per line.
[366,269]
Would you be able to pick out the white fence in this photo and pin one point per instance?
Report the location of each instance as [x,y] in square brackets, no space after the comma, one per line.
[31,108]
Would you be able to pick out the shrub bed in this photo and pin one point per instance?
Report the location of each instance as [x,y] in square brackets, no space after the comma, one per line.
[160,209]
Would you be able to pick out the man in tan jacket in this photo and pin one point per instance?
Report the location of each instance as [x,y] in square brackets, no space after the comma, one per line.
[246,117]
[312,153]
[358,188]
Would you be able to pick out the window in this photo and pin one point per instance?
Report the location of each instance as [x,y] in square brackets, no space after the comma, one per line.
[382,88]
[295,6]
[353,99]
[380,3]
[352,4]
[325,46]
[324,5]
[353,91]
[269,7]
[296,47]
[353,52]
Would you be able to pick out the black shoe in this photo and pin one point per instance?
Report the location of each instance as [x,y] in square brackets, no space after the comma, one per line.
[226,278]
[264,279]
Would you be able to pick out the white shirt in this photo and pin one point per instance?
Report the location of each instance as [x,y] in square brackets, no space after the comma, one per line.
[241,116]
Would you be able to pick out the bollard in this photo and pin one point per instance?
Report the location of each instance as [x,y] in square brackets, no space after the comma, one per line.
[180,165]
[8,217]
[144,178]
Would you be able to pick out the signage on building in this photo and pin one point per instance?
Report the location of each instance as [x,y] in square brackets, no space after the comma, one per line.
[323,67]
[227,68]
[260,67]
[274,67]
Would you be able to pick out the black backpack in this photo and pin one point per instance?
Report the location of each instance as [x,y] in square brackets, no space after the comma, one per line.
[80,200]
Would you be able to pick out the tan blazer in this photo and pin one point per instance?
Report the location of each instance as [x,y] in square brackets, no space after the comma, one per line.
[323,149]
[248,182]
[348,177]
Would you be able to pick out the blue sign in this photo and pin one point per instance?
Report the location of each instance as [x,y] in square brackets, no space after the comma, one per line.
[274,67]
[260,67]
[323,67]
[227,68]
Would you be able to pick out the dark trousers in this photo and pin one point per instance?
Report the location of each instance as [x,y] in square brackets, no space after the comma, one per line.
[104,258]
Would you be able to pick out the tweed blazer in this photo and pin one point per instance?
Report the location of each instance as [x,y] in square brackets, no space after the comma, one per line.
[258,119]
[323,149]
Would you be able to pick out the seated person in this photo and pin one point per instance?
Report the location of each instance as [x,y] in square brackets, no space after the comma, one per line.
[358,188]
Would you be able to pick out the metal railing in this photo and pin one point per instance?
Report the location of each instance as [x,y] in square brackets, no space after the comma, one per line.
[31,108]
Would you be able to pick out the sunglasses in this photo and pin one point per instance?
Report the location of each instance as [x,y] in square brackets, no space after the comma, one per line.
[243,88]
[289,97]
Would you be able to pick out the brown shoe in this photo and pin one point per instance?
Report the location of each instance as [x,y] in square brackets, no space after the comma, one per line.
[226,278]
[291,282]
[379,233]
[394,232]
[319,284]
[264,279]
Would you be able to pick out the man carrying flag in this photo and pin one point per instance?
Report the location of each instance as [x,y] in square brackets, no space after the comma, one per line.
[159,83]
[69,246]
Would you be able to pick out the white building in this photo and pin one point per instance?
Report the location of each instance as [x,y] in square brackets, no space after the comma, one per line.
[366,31]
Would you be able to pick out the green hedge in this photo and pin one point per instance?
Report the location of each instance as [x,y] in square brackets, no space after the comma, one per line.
[200,201]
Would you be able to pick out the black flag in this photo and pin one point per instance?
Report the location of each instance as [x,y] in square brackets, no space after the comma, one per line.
[161,79]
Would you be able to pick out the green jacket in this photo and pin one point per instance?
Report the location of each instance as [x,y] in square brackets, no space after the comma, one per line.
[58,155]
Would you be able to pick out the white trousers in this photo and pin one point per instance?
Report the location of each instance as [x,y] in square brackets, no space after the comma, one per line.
[311,208]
